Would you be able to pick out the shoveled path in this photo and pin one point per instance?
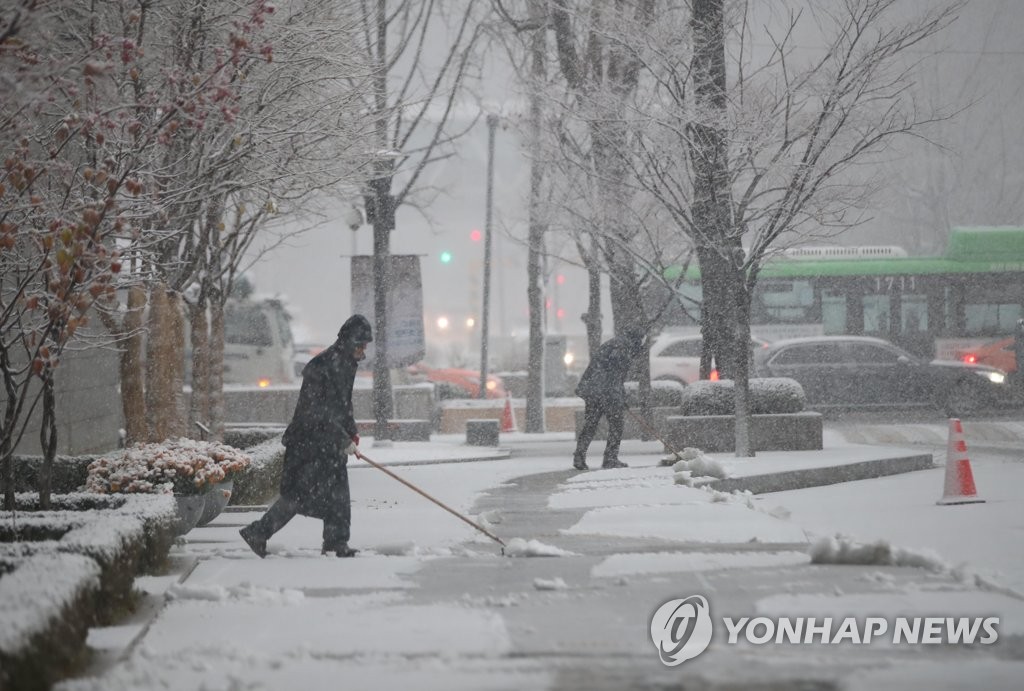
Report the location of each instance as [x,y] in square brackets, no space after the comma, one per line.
[592,633]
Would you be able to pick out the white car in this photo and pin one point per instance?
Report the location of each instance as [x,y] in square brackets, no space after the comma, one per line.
[676,357]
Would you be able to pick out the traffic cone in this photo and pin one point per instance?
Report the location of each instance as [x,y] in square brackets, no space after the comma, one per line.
[959,478]
[508,416]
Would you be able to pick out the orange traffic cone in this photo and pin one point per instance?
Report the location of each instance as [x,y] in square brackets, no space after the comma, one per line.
[959,478]
[508,416]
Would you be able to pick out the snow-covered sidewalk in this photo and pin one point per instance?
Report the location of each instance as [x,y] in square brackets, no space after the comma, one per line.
[431,603]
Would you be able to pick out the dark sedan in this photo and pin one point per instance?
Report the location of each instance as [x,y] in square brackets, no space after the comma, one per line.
[863,372]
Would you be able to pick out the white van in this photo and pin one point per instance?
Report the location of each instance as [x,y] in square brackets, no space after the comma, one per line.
[258,347]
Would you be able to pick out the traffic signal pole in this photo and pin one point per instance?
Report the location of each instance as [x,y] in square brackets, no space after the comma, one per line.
[492,124]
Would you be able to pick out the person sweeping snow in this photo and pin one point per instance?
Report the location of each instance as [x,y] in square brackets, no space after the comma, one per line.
[601,388]
[318,441]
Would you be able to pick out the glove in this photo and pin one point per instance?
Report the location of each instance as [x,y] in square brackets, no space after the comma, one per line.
[351,449]
[355,439]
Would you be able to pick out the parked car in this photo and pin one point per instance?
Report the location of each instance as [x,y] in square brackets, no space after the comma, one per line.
[452,382]
[258,348]
[864,372]
[304,352]
[676,357]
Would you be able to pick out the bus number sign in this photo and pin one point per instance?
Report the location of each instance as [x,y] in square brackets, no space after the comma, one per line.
[889,284]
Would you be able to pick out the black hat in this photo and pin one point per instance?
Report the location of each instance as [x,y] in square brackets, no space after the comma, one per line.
[356,329]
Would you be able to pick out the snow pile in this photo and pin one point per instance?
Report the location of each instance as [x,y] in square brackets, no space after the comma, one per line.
[518,547]
[687,454]
[738,496]
[549,584]
[510,600]
[410,549]
[695,465]
[844,550]
[243,592]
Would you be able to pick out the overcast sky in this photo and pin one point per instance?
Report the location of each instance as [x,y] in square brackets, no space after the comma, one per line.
[974,178]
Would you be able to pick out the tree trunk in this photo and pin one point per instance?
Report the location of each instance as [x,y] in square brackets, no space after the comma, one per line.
[157,374]
[47,440]
[592,319]
[383,224]
[744,449]
[535,247]
[176,355]
[199,402]
[721,256]
[165,363]
[215,370]
[133,388]
[7,436]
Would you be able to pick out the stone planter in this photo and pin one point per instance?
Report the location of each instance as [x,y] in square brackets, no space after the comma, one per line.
[216,499]
[190,508]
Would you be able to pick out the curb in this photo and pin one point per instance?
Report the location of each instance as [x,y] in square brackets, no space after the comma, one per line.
[829,475]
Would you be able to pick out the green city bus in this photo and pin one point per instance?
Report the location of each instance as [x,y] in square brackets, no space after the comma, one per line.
[936,307]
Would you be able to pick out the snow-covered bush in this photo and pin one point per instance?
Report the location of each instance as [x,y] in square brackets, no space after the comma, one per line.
[248,437]
[178,466]
[771,395]
[259,483]
[664,394]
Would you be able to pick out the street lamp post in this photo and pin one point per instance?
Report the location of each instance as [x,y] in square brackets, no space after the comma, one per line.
[492,125]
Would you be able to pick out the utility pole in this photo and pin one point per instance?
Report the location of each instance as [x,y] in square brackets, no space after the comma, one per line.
[492,125]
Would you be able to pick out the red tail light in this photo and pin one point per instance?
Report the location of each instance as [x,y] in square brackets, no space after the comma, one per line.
[970,358]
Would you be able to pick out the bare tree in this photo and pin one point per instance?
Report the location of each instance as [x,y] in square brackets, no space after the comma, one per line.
[596,55]
[578,147]
[411,103]
[280,134]
[773,158]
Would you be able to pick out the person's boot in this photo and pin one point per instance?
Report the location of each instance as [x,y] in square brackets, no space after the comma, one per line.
[256,543]
[341,550]
[579,462]
[613,463]
[345,551]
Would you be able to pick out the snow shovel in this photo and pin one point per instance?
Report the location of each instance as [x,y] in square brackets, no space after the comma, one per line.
[651,431]
[378,466]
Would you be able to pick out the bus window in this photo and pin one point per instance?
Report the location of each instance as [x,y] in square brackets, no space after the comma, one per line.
[785,301]
[833,311]
[876,314]
[990,318]
[914,317]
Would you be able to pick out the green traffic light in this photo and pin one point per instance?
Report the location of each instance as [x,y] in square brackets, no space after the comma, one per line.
[446,257]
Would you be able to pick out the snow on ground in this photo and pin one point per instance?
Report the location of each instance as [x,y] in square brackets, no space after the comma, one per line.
[910,603]
[987,538]
[619,565]
[944,676]
[292,619]
[645,502]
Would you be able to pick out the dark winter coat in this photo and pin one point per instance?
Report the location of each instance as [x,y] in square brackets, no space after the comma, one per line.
[602,381]
[314,474]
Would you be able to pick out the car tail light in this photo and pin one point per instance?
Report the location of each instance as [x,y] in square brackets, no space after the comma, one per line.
[970,358]
[263,382]
[713,376]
